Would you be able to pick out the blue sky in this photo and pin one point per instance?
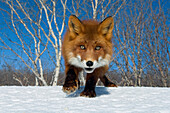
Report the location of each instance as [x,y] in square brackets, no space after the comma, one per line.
[11,58]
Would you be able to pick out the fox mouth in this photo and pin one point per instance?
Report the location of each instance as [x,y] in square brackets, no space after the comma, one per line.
[89,70]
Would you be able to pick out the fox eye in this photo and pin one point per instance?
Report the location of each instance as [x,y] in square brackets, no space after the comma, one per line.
[97,47]
[82,47]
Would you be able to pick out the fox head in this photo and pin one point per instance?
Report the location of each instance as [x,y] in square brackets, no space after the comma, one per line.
[90,43]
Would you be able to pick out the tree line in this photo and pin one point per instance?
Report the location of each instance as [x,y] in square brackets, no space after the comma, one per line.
[31,39]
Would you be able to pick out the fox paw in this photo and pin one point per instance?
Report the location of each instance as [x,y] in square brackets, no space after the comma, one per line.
[88,93]
[70,87]
[111,85]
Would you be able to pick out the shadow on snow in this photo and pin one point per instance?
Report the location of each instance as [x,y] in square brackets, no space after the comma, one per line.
[99,92]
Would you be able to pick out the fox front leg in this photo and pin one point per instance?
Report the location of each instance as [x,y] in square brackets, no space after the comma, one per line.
[71,82]
[89,90]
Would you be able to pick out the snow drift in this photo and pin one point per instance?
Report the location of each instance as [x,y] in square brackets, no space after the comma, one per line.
[109,100]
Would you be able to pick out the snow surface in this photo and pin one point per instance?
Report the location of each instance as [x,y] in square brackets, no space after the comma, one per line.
[109,100]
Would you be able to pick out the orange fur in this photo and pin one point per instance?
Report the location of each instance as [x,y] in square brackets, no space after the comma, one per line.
[90,34]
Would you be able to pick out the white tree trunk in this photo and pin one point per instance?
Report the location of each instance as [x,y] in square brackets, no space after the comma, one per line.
[81,77]
[94,7]
[36,81]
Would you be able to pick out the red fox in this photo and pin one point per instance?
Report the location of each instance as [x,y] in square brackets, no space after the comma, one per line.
[87,46]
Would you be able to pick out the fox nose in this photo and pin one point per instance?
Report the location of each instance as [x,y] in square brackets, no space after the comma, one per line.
[89,63]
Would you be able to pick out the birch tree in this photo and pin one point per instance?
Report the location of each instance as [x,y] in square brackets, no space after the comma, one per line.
[141,33]
[39,24]
[157,43]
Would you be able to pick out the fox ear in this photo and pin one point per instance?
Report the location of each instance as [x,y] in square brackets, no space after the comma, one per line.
[106,27]
[75,26]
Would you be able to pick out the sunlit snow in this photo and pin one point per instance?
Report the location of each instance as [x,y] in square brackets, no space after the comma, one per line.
[109,100]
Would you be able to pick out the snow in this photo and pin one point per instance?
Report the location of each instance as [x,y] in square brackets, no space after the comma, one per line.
[15,99]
